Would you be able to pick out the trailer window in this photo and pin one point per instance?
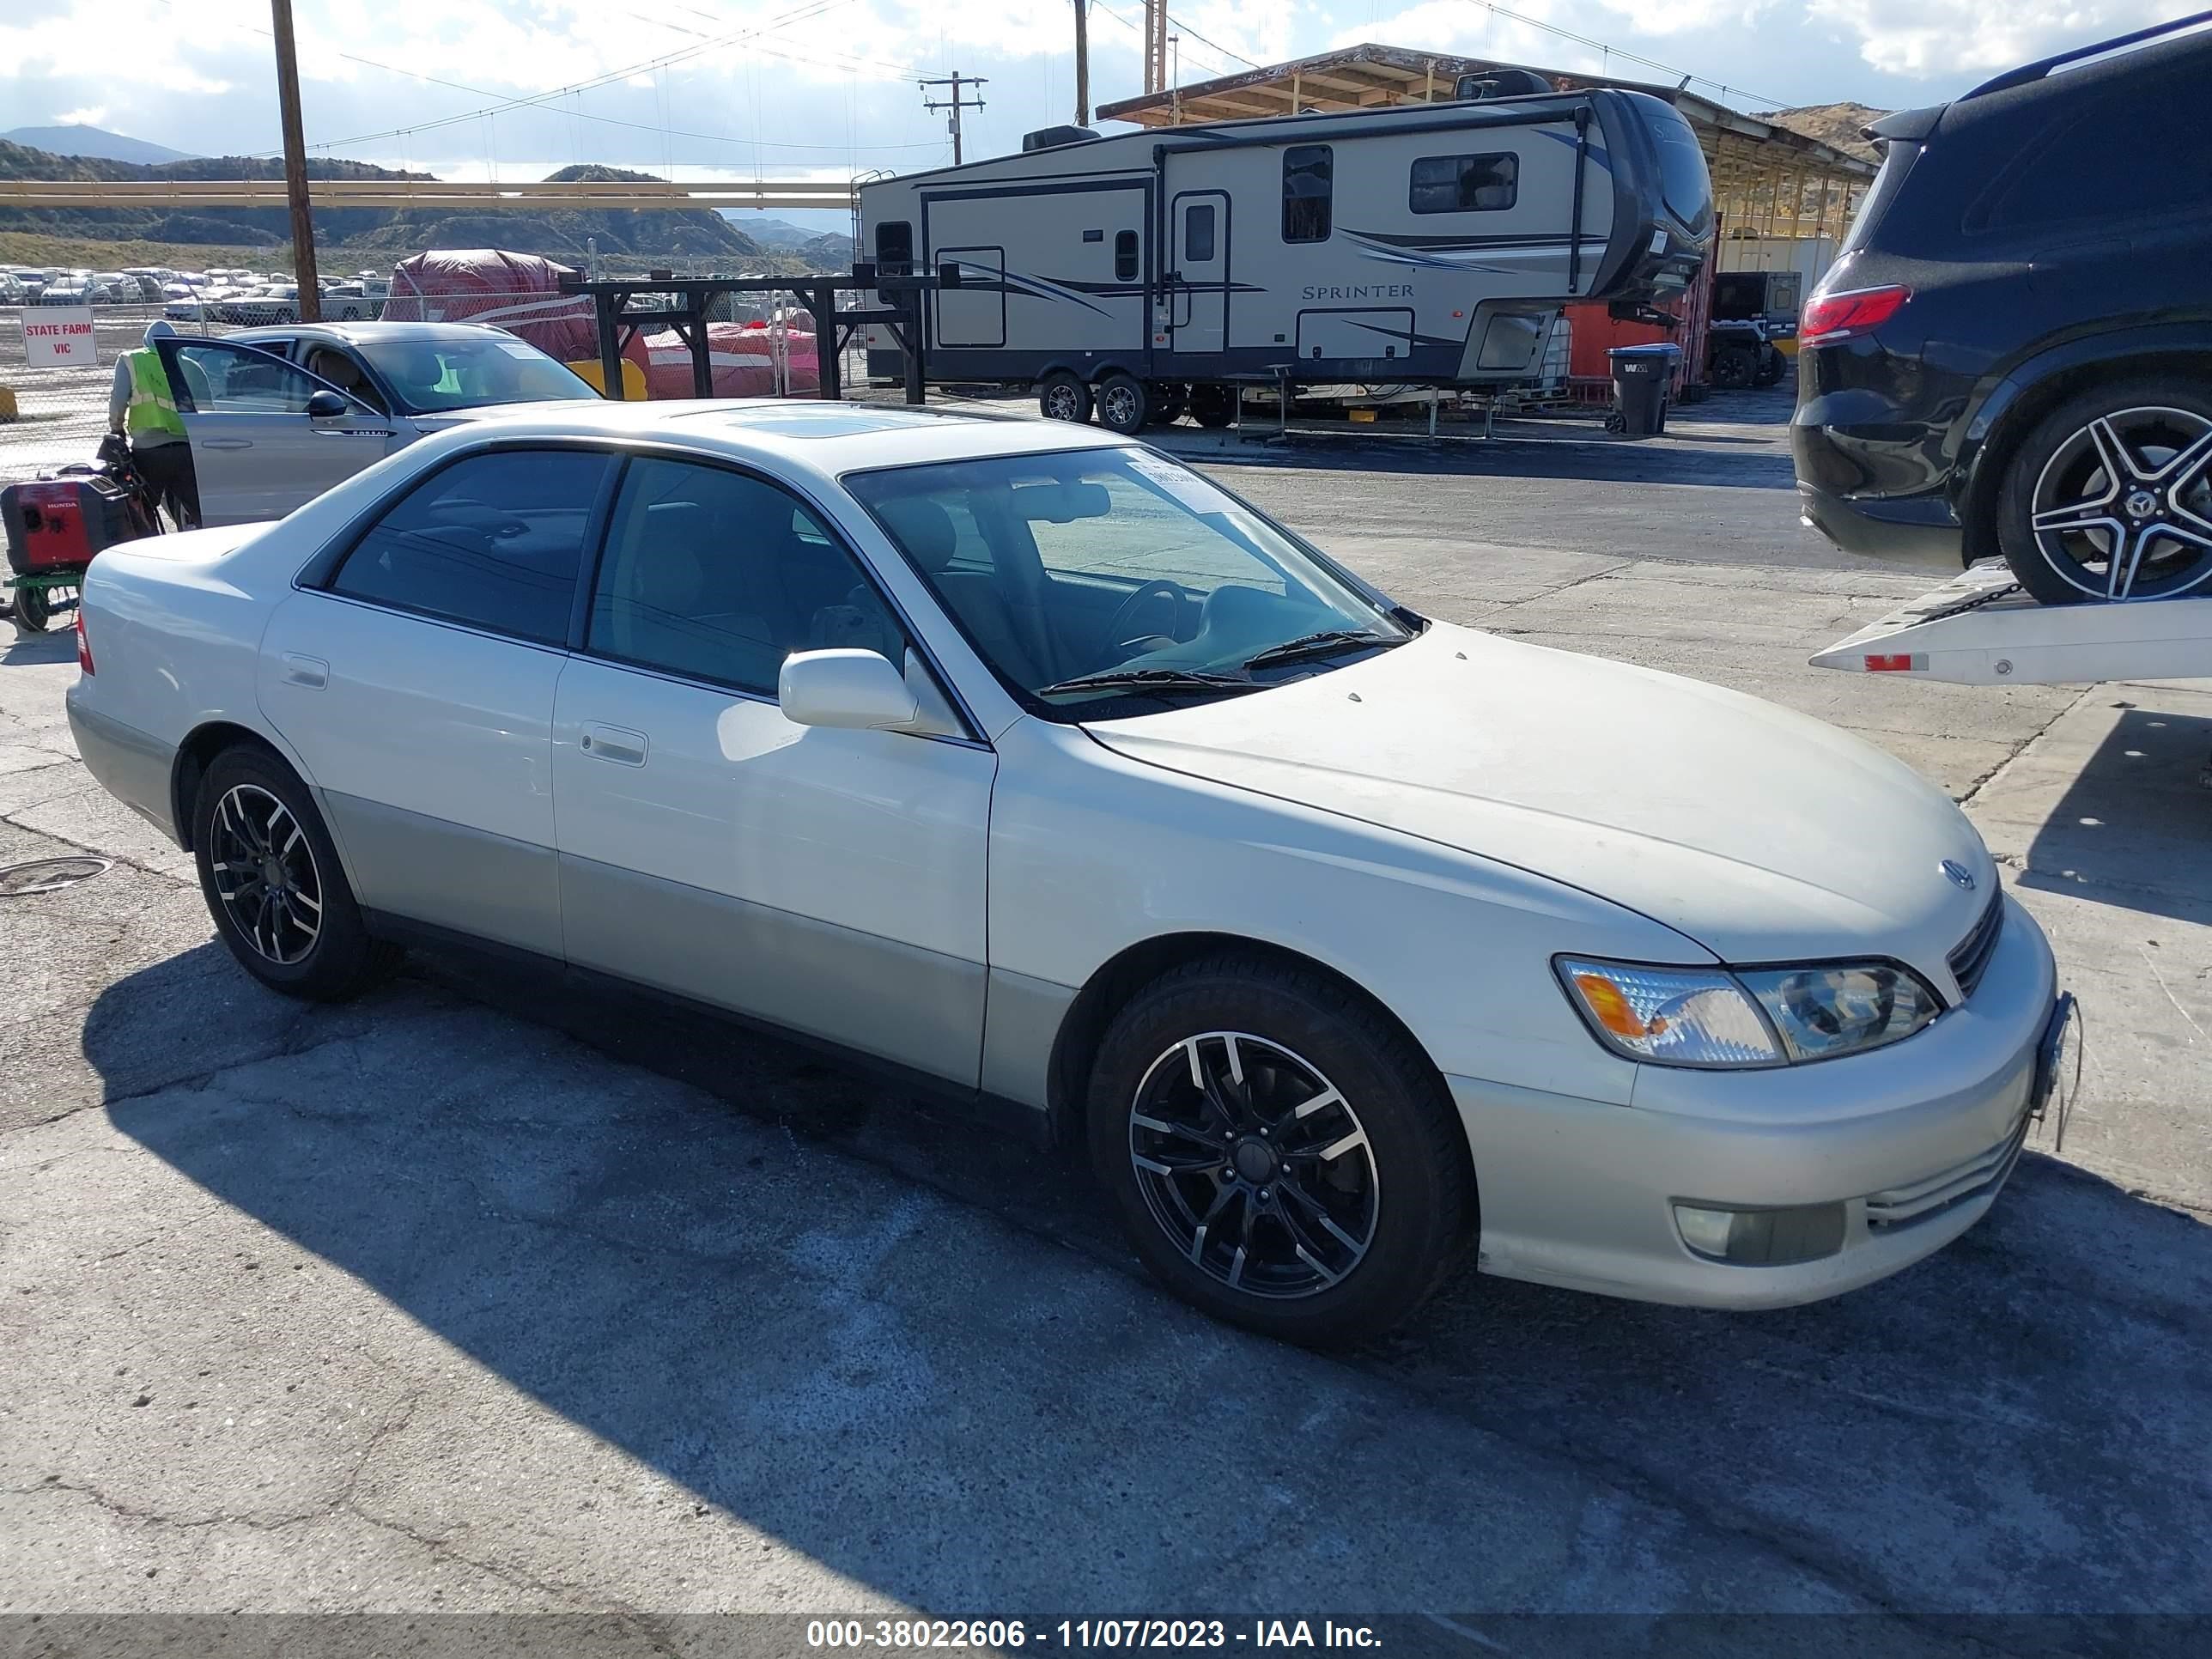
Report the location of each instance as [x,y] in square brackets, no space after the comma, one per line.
[1463,184]
[1307,188]
[894,246]
[1125,256]
[1198,232]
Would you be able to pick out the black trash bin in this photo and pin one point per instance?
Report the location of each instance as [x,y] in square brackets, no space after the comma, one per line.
[1641,377]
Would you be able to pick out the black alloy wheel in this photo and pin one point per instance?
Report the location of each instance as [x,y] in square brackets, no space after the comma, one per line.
[2111,497]
[1124,404]
[1062,396]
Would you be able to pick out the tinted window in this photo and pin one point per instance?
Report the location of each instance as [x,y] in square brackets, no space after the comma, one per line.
[715,575]
[214,379]
[1125,256]
[895,245]
[469,371]
[2122,157]
[1684,177]
[1463,184]
[1308,173]
[1198,232]
[494,541]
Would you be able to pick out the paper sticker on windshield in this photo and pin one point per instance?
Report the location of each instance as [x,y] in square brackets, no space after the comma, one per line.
[1186,486]
[518,349]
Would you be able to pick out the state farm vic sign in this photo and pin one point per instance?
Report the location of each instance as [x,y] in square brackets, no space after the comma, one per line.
[59,338]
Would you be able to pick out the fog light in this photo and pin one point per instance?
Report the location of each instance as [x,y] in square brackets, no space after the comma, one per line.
[1762,1239]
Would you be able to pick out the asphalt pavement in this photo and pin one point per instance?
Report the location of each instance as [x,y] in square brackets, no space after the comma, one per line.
[479,1296]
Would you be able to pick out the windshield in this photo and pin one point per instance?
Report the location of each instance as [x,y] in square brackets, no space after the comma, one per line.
[430,375]
[1091,578]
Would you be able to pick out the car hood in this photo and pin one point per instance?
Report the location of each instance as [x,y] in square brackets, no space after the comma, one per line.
[1762,835]
[439,420]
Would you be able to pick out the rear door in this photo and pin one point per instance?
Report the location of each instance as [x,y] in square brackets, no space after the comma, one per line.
[256,451]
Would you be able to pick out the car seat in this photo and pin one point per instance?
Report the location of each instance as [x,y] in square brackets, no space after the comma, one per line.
[925,530]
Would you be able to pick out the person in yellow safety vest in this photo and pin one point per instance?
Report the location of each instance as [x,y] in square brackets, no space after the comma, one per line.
[141,405]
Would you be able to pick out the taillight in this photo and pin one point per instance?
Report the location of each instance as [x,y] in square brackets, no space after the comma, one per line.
[83,645]
[1831,317]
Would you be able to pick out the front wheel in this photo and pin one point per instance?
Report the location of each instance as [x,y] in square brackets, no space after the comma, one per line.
[1063,397]
[1282,1155]
[2110,496]
[273,884]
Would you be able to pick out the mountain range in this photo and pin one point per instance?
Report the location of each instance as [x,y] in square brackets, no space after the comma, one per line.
[97,142]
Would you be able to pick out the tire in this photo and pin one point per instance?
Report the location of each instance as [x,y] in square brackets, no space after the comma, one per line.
[1733,368]
[1062,396]
[1124,402]
[1212,407]
[2061,513]
[261,801]
[1402,1198]
[1174,404]
[1772,365]
[33,613]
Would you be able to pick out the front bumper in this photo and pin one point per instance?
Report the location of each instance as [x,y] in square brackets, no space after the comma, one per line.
[1913,1140]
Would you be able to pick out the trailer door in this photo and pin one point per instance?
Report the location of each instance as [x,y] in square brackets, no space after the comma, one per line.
[1201,287]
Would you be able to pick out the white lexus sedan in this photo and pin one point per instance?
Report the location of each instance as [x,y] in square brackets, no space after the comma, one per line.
[1027,762]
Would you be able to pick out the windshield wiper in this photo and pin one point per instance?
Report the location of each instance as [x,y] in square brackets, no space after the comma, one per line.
[1152,679]
[1329,641]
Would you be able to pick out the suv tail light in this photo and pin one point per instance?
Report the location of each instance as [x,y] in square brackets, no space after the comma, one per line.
[1831,317]
[83,645]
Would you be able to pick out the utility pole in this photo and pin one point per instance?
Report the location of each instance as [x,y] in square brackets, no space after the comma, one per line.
[956,81]
[1156,46]
[296,165]
[1083,63]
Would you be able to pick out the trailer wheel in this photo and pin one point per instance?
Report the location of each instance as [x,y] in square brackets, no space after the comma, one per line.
[1174,404]
[1063,397]
[1124,404]
[1773,365]
[1212,407]
[1733,367]
[33,613]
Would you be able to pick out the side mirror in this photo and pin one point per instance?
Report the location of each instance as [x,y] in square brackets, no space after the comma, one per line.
[859,690]
[326,405]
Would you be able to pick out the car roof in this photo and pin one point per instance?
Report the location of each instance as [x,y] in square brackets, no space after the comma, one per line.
[371,333]
[804,435]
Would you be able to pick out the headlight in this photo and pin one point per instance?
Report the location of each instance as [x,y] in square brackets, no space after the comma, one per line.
[1707,1017]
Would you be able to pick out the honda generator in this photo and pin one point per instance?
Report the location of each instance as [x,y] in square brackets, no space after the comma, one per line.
[56,524]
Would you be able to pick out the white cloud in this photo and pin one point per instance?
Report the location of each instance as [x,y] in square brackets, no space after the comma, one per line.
[91,115]
[1927,38]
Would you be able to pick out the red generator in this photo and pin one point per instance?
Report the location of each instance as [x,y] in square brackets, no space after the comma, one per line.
[55,527]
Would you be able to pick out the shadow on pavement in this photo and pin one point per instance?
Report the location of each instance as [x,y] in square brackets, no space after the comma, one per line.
[918,1392]
[2139,808]
[59,644]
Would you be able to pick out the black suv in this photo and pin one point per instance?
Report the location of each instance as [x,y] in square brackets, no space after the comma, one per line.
[2014,352]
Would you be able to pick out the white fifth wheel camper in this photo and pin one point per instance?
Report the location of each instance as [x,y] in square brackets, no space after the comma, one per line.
[1425,245]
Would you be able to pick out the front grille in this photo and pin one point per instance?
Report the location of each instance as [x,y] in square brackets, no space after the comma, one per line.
[1970,959]
[1903,1207]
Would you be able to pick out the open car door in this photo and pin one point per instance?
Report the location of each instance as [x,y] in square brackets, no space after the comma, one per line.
[266,435]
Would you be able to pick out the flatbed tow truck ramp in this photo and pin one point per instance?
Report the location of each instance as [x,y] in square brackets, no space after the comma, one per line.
[1982,628]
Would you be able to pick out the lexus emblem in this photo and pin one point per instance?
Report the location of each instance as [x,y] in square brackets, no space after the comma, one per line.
[1959,876]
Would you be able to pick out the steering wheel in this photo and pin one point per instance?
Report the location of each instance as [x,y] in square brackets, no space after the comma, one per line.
[1173,593]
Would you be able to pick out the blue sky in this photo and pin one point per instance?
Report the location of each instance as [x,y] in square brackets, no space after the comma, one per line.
[824,88]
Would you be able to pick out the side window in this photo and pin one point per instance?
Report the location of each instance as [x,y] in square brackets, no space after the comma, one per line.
[2066,175]
[495,541]
[344,372]
[1309,170]
[1463,184]
[212,377]
[718,576]
[1198,232]
[1125,256]
[895,246]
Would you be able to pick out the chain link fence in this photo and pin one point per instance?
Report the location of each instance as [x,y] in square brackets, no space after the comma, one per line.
[59,414]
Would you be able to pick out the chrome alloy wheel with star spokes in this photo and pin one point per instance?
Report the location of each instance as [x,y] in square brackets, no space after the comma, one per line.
[2122,509]
[1255,1163]
[266,874]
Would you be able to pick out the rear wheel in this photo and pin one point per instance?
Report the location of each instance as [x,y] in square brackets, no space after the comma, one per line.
[1283,1156]
[1174,404]
[1212,407]
[273,884]
[32,609]
[1125,403]
[1063,397]
[2110,496]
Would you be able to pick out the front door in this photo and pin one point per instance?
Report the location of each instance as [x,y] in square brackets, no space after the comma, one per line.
[257,453]
[1200,221]
[417,683]
[830,881]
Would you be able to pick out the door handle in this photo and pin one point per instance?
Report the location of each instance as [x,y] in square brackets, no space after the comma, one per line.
[613,743]
[311,672]
[226,443]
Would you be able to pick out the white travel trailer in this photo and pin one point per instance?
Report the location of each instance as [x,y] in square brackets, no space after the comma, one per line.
[1424,245]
